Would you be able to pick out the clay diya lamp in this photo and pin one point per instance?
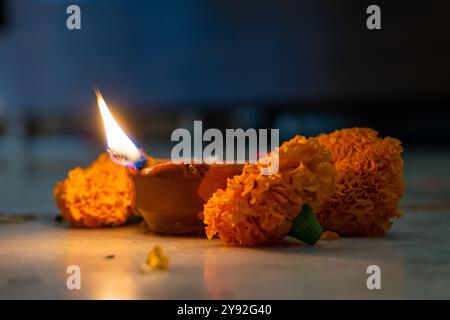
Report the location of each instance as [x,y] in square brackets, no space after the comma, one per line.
[171,196]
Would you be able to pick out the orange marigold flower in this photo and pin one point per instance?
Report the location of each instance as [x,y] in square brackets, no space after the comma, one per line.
[369,182]
[329,235]
[257,209]
[100,195]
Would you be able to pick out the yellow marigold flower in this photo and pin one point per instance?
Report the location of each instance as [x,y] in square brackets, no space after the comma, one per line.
[257,209]
[369,182]
[100,195]
[156,260]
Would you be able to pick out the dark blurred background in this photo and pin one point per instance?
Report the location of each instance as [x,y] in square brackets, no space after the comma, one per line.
[305,66]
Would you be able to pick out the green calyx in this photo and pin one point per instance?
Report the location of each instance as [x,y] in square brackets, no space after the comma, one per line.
[305,226]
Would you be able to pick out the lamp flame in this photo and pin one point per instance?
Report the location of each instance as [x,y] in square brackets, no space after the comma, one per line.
[120,147]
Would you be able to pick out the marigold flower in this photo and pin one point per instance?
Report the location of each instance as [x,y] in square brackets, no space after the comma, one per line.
[99,195]
[156,260]
[257,209]
[369,182]
[329,235]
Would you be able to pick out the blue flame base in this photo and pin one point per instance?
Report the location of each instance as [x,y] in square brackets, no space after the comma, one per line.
[123,160]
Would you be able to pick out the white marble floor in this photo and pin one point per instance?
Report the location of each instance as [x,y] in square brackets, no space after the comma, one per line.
[414,260]
[414,257]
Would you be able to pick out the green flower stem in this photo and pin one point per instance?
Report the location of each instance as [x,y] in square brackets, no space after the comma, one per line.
[305,226]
